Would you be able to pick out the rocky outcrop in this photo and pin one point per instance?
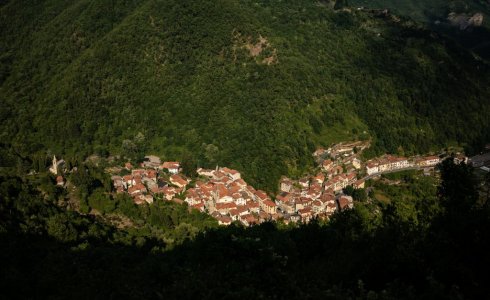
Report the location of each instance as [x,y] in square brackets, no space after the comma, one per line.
[464,21]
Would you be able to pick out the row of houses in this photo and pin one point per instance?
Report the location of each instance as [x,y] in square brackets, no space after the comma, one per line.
[390,163]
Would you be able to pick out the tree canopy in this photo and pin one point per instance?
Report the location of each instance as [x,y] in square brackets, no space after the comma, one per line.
[255,85]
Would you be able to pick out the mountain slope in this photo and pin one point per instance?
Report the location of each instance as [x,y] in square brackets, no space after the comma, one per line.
[446,17]
[254,85]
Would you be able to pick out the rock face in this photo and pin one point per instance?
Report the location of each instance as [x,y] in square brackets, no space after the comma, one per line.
[476,20]
[464,21]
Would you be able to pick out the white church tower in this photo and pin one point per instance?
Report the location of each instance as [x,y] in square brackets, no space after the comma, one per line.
[54,167]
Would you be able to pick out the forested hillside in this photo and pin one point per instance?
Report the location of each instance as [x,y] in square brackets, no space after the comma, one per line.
[255,85]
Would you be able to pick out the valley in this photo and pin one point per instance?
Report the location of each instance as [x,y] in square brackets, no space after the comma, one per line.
[238,149]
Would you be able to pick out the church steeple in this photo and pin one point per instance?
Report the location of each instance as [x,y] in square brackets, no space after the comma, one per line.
[54,167]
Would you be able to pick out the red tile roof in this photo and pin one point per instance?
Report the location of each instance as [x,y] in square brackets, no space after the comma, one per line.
[261,194]
[177,180]
[171,165]
[229,205]
[269,203]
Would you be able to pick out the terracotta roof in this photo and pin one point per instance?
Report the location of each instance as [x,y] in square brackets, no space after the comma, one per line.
[269,203]
[306,210]
[359,182]
[221,190]
[283,197]
[252,204]
[371,165]
[219,174]
[327,197]
[155,189]
[171,165]
[138,172]
[344,201]
[230,171]
[261,194]
[234,189]
[151,173]
[225,205]
[137,179]
[137,188]
[320,177]
[192,193]
[176,179]
[241,182]
[327,163]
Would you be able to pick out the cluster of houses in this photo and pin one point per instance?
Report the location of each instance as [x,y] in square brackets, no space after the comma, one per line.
[340,166]
[341,150]
[321,195]
[143,183]
[227,197]
[223,193]
[307,198]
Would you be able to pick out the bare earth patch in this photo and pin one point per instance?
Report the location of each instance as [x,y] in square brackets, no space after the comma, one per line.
[120,221]
[255,48]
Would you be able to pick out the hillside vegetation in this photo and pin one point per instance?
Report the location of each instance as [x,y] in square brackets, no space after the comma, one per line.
[255,85]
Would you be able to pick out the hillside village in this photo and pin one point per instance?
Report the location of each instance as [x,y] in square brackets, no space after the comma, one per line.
[224,194]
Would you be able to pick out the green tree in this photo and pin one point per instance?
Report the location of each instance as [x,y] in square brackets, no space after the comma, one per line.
[101,201]
[189,165]
[211,154]
[458,191]
[60,227]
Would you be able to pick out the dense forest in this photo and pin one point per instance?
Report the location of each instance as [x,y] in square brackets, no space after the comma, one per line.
[423,238]
[255,85]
